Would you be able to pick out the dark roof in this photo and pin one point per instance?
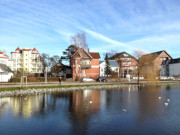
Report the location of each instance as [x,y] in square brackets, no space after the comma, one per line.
[95,55]
[121,55]
[5,68]
[173,61]
[112,63]
[154,54]
[101,61]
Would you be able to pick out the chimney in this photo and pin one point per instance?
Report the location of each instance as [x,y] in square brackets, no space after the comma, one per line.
[88,50]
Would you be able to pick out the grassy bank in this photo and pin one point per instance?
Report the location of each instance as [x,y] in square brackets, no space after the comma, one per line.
[81,85]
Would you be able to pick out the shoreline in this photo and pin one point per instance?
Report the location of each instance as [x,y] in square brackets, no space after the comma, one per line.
[66,88]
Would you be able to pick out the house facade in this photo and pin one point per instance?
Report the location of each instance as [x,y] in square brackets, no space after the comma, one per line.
[127,63]
[170,68]
[5,73]
[4,59]
[158,57]
[27,60]
[113,65]
[85,64]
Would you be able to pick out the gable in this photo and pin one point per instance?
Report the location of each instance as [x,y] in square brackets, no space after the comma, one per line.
[81,53]
[122,55]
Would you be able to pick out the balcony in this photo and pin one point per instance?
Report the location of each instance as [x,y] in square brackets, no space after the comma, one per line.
[85,64]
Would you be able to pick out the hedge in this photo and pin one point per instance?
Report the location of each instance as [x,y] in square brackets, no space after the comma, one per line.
[35,79]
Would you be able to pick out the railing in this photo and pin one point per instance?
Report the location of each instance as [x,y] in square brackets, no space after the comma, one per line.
[85,65]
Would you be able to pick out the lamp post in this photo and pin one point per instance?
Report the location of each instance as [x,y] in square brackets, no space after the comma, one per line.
[45,74]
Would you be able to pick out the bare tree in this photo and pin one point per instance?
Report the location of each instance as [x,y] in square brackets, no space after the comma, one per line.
[45,60]
[79,40]
[110,53]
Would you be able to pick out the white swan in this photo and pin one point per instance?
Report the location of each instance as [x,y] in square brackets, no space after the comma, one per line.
[124,110]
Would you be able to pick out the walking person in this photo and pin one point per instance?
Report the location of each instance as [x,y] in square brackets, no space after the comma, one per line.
[60,81]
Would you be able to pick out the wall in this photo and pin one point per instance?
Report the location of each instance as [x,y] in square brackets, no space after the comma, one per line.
[5,77]
[174,69]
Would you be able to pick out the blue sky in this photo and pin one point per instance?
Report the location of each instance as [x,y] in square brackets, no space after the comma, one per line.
[122,25]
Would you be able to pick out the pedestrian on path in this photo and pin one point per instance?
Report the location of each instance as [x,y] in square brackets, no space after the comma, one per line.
[60,81]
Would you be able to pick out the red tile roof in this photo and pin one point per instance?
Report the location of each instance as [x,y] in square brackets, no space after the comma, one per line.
[26,49]
[35,49]
[95,55]
[18,49]
[15,52]
[1,53]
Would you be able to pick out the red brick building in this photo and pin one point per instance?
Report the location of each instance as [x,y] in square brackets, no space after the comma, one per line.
[157,57]
[127,63]
[85,64]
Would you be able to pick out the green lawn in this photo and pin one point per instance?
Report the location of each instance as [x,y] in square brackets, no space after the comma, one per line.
[68,86]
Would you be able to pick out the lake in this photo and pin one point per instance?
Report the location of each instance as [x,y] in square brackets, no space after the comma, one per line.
[129,110]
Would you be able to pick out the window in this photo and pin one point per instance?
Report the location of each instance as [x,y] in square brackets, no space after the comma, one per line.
[76,62]
[125,54]
[84,72]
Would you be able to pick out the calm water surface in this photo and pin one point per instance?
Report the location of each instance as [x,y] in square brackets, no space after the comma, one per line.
[93,112]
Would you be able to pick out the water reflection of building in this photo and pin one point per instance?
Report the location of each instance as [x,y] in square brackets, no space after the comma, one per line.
[82,105]
[4,104]
[26,106]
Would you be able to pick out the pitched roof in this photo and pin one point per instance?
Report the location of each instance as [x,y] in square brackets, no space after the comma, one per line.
[154,55]
[101,61]
[173,61]
[112,63]
[81,49]
[18,49]
[121,55]
[35,49]
[95,55]
[5,68]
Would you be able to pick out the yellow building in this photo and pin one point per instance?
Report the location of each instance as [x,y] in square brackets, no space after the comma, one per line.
[27,60]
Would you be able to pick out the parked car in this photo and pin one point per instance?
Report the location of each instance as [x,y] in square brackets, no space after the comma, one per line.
[87,79]
[102,79]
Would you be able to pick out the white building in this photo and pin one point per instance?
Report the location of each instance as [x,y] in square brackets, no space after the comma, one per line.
[171,68]
[5,73]
[113,64]
[4,59]
[27,60]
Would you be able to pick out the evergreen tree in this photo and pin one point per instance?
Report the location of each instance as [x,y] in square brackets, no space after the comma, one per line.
[107,68]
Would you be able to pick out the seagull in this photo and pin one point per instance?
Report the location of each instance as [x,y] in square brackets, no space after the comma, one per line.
[124,110]
[166,104]
[159,97]
[90,102]
[168,100]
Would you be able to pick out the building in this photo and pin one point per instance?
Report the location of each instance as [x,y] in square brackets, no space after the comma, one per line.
[127,63]
[27,60]
[85,64]
[61,70]
[113,65]
[5,73]
[170,68]
[153,63]
[157,57]
[4,59]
